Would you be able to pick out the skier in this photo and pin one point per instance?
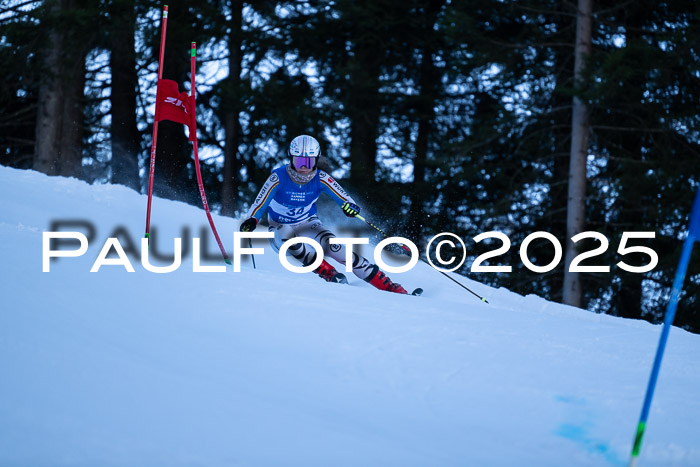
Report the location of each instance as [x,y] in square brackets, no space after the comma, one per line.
[290,194]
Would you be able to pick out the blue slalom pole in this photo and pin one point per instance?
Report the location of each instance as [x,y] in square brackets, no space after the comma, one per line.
[668,321]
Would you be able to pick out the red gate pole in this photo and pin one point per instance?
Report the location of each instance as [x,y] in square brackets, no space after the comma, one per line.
[193,137]
[155,123]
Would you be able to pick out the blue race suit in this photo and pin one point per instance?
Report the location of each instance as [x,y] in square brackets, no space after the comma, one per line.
[291,211]
[290,203]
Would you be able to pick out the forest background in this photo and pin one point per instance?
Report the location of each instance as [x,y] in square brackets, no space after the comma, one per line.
[436,115]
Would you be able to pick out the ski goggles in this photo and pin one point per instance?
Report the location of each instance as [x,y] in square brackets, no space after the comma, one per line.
[303,161]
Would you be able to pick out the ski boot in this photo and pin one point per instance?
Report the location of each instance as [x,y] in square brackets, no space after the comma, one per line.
[381,281]
[328,273]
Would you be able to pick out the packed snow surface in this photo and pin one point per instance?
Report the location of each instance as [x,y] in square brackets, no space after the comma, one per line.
[265,367]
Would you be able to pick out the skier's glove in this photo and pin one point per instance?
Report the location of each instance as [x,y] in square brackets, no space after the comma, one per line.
[249,224]
[350,209]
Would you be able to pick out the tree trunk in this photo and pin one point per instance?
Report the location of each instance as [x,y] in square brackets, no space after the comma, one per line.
[364,108]
[632,208]
[232,164]
[73,128]
[575,221]
[429,79]
[59,125]
[51,101]
[124,131]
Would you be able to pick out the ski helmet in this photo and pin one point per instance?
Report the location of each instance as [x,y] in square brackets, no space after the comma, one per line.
[304,151]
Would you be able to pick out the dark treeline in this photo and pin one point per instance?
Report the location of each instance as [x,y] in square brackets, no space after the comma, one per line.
[438,115]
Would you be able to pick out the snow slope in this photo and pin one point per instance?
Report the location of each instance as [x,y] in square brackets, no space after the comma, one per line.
[266,367]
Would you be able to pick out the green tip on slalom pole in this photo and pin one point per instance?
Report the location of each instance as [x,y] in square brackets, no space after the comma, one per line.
[194,49]
[637,442]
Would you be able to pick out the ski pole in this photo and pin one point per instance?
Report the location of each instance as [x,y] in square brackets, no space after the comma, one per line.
[252,256]
[406,249]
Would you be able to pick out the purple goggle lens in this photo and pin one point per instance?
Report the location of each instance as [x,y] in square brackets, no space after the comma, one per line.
[302,161]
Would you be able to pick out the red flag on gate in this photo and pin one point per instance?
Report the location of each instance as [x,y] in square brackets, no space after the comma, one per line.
[173,105]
